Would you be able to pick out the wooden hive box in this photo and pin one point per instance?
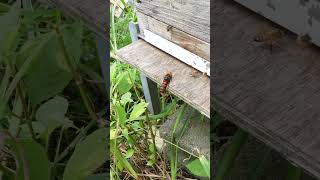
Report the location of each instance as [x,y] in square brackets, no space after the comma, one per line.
[175,37]
[186,24]
[299,16]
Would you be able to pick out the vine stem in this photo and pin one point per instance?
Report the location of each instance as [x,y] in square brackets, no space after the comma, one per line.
[85,98]
[77,77]
[151,131]
[73,143]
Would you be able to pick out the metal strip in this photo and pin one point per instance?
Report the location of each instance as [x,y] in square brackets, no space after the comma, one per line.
[177,52]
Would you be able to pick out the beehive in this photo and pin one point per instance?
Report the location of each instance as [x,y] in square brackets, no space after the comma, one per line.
[175,37]
[180,28]
[299,16]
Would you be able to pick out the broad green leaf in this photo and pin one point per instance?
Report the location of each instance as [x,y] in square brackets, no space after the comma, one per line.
[196,168]
[138,110]
[88,156]
[205,164]
[72,36]
[38,128]
[9,28]
[32,161]
[125,133]
[25,67]
[29,47]
[52,115]
[122,161]
[121,114]
[126,98]
[123,84]
[45,79]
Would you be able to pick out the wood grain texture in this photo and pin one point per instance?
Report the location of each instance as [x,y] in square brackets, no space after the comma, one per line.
[276,97]
[190,16]
[94,13]
[194,90]
[184,40]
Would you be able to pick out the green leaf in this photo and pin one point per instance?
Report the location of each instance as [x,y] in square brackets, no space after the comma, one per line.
[32,161]
[113,133]
[25,132]
[196,168]
[52,115]
[25,67]
[205,164]
[122,161]
[138,110]
[121,114]
[45,78]
[88,156]
[9,28]
[72,36]
[123,84]
[129,153]
[126,98]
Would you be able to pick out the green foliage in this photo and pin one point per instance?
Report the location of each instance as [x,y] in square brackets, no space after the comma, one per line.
[32,161]
[42,109]
[51,115]
[85,160]
[196,168]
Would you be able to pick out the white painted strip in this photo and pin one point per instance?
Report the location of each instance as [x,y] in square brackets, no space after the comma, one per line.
[177,52]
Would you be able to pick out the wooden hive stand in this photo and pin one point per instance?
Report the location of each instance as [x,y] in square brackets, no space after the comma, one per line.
[274,96]
[173,36]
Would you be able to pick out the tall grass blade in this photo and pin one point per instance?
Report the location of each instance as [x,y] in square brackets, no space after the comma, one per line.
[237,141]
[173,157]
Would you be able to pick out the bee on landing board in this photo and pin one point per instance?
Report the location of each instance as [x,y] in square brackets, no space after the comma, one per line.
[166,80]
[303,40]
[268,37]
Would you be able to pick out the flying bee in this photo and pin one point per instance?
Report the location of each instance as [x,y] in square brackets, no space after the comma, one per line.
[166,80]
[303,40]
[268,37]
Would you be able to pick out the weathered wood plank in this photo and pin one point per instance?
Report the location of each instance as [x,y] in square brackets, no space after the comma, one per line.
[184,40]
[154,63]
[94,13]
[190,16]
[276,97]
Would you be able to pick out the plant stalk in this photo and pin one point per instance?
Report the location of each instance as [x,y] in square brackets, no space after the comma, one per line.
[74,142]
[151,132]
[77,78]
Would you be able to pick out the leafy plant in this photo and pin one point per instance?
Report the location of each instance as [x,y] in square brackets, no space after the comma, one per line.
[48,108]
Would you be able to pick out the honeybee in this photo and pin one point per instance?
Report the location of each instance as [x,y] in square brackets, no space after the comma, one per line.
[166,80]
[268,37]
[194,73]
[303,40]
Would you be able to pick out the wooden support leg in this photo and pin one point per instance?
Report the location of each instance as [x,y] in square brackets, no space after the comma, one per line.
[150,88]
